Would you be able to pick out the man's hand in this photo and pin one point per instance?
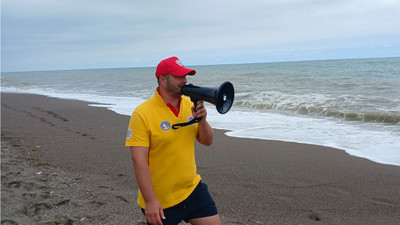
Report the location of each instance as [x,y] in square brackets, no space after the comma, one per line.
[154,213]
[205,133]
[200,110]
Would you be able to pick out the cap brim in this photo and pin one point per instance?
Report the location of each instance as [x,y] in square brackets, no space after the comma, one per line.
[183,71]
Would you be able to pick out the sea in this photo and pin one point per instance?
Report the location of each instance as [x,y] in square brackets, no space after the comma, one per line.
[350,104]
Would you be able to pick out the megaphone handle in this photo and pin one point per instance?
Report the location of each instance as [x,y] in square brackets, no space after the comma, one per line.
[195,100]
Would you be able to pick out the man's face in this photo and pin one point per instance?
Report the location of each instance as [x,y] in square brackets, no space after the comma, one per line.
[174,84]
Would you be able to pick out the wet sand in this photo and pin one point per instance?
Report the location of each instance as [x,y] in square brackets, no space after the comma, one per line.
[64,162]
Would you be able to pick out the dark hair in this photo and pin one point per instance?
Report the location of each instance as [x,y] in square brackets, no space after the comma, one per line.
[158,78]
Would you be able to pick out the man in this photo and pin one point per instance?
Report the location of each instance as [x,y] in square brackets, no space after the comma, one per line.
[170,190]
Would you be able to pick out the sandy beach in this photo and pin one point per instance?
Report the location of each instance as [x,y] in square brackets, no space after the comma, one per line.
[64,162]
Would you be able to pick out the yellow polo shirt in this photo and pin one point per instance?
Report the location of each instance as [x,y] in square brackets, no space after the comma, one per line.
[171,152]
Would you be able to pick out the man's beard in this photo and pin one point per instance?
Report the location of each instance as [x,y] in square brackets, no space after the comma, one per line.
[175,91]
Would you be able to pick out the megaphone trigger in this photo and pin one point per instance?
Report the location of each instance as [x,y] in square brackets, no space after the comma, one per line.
[195,102]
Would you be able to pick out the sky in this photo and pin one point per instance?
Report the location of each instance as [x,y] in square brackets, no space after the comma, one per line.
[84,34]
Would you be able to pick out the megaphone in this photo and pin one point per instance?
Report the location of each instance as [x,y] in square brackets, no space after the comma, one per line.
[222,97]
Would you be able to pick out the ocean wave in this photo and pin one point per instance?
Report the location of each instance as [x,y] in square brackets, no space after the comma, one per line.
[346,107]
[387,117]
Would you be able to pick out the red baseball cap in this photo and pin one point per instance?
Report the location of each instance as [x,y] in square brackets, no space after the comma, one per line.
[173,66]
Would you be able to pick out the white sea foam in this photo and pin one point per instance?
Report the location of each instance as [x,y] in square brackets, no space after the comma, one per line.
[360,140]
[356,139]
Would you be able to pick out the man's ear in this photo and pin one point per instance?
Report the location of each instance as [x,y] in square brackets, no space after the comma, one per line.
[163,78]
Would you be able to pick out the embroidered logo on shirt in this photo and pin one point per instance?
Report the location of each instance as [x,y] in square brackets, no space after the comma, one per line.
[165,125]
[129,134]
[190,118]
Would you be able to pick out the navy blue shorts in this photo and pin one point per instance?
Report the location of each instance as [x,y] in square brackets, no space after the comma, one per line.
[199,204]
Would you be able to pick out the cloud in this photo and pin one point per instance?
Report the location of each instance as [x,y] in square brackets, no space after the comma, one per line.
[56,34]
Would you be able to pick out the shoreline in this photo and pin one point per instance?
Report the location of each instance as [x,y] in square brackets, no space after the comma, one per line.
[366,153]
[252,181]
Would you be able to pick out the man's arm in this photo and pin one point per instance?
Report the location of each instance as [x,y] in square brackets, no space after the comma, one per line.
[205,134]
[153,211]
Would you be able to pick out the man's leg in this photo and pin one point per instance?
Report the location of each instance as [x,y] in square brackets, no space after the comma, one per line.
[202,208]
[210,220]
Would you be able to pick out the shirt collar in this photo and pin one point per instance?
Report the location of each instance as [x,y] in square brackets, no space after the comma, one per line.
[160,100]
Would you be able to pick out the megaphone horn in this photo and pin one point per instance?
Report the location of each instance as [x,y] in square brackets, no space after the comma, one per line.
[222,97]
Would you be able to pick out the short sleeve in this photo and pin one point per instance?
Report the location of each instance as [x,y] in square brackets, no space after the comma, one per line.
[137,134]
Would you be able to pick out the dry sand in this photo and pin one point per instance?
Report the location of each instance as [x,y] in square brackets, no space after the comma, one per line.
[64,162]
